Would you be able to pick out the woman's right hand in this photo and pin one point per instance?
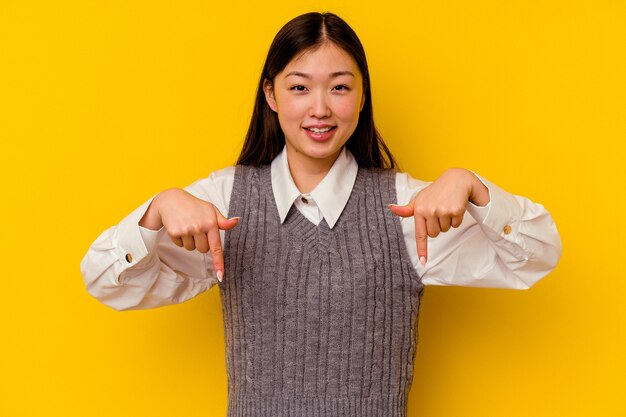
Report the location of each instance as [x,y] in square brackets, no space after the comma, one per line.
[190,222]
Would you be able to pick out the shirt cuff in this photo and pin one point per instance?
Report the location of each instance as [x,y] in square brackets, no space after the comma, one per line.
[500,218]
[130,246]
[150,237]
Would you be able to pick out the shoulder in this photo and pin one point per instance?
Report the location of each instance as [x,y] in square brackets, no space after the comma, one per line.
[407,186]
[247,172]
[405,180]
[402,180]
[216,181]
[220,175]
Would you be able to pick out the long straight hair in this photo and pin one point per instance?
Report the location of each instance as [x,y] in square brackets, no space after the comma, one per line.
[265,139]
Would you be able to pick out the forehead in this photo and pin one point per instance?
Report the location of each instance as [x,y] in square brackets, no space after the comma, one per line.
[327,58]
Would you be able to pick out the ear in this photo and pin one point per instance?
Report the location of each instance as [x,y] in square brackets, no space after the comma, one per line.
[268,89]
[362,102]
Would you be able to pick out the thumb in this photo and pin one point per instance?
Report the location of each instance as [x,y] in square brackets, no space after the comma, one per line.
[224,223]
[402,211]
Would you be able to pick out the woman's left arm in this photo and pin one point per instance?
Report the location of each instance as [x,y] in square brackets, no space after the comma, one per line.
[464,230]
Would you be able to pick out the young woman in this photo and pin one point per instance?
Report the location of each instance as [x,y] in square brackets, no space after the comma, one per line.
[319,248]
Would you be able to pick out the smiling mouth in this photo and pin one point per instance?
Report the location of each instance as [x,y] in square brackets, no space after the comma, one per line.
[320,130]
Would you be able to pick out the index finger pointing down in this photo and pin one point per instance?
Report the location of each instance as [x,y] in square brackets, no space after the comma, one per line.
[217,255]
[421,239]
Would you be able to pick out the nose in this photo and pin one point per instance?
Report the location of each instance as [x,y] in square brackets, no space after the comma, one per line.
[319,105]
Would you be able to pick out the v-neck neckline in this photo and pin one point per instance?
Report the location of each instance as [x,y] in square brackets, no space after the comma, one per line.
[302,228]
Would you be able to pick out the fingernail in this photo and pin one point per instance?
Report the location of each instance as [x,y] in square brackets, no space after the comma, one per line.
[423,260]
[392,205]
[220,275]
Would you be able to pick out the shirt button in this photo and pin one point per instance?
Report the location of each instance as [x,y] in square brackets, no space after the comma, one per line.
[507,229]
[304,200]
[129,258]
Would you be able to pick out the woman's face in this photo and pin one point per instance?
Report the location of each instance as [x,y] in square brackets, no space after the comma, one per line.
[318,97]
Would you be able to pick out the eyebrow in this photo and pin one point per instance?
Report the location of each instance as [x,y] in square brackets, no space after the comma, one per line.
[304,75]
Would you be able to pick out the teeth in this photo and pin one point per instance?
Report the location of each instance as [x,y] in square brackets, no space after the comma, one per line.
[316,130]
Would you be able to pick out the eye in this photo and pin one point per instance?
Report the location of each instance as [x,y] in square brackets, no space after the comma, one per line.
[298,88]
[341,87]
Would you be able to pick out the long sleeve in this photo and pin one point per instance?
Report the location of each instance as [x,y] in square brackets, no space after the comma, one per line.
[510,243]
[131,268]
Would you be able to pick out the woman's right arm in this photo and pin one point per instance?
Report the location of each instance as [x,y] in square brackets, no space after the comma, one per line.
[138,264]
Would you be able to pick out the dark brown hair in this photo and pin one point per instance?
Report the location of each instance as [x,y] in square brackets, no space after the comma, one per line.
[265,139]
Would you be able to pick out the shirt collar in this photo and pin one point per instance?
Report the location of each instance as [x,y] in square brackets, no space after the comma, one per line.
[331,194]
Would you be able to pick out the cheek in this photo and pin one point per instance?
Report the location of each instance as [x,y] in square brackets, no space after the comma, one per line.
[348,110]
[290,110]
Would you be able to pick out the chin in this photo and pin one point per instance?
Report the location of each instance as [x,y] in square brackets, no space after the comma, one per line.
[323,153]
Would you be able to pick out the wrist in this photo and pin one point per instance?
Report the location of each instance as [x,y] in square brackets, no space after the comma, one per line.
[152,217]
[479,193]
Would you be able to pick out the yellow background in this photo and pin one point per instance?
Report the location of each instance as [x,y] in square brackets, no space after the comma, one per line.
[104,103]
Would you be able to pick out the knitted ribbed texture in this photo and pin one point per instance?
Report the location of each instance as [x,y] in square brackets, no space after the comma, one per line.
[318,321]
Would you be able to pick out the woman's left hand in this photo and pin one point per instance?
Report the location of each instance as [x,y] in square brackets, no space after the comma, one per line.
[441,205]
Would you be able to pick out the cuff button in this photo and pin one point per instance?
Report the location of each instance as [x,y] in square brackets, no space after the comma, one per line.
[507,229]
[129,258]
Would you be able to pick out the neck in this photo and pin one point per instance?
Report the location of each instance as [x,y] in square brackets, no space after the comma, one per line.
[307,172]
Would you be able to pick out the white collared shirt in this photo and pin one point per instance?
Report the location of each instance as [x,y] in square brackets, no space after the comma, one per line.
[326,201]
[510,243]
